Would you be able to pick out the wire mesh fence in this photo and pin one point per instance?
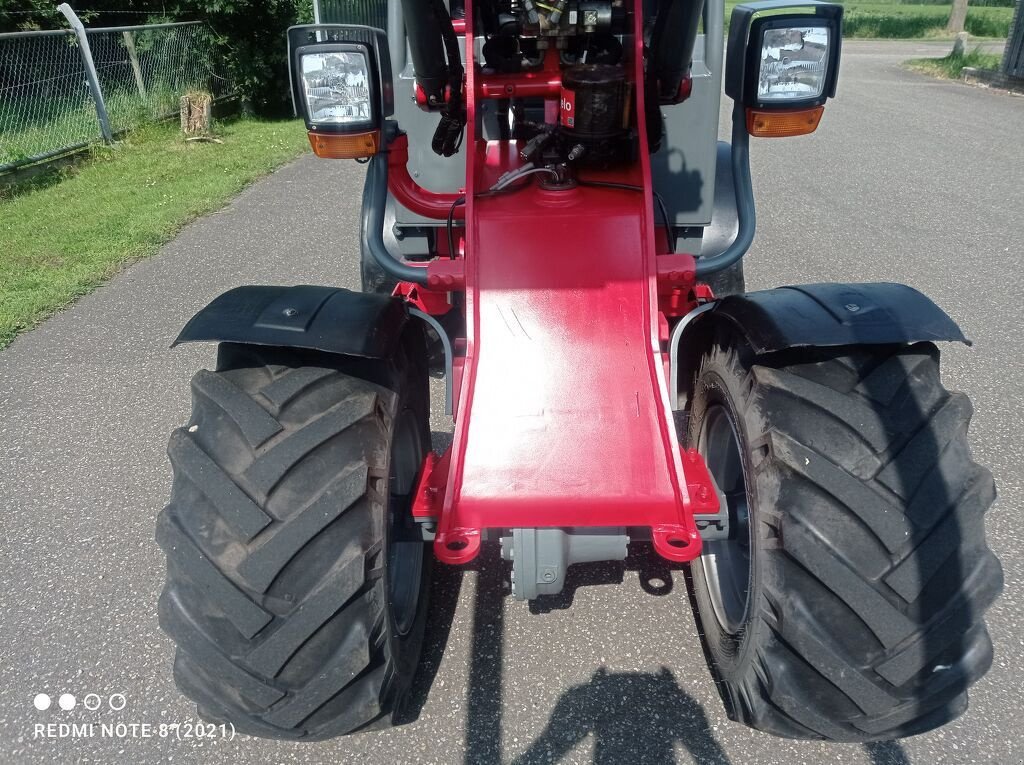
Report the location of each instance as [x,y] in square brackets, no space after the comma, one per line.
[46,107]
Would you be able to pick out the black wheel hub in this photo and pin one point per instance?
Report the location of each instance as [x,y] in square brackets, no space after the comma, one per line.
[726,562]
[405,547]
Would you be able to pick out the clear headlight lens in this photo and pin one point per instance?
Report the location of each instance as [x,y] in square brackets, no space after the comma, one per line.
[337,88]
[794,62]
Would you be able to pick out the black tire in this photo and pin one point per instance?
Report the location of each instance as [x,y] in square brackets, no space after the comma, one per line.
[293,616]
[867,570]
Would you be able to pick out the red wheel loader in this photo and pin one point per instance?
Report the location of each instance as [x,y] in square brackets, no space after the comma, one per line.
[550,222]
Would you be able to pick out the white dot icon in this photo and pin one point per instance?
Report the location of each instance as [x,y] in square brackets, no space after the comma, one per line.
[42,702]
[66,702]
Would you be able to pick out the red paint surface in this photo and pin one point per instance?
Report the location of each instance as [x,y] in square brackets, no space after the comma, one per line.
[563,414]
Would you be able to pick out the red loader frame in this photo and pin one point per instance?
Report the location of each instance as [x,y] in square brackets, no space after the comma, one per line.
[562,405]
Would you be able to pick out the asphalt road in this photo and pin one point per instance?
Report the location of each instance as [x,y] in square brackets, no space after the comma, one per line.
[908,179]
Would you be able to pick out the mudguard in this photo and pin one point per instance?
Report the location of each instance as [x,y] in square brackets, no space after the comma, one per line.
[318,318]
[836,314]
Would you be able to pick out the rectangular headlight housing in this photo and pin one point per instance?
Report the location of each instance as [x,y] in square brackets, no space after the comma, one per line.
[338,90]
[783,55]
[336,87]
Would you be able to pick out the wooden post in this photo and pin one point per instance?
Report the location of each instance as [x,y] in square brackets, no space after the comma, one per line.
[133,57]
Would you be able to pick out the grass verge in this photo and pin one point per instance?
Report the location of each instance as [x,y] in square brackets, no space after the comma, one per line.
[64,233]
[948,67]
[880,20]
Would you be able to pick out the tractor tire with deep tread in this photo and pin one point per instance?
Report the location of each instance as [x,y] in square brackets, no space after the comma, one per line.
[291,618]
[867,569]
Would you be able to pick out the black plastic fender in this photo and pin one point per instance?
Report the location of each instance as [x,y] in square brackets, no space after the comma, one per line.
[328,319]
[836,314]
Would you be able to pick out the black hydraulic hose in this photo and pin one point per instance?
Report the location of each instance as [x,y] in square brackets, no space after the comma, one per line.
[673,39]
[375,201]
[745,213]
[450,130]
[423,30]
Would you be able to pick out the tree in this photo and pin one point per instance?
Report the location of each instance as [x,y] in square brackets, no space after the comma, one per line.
[957,17]
[250,34]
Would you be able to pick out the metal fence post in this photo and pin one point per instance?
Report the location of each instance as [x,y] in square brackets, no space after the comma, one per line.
[1013,56]
[90,70]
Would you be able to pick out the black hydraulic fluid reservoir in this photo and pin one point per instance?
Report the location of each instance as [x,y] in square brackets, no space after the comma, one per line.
[594,111]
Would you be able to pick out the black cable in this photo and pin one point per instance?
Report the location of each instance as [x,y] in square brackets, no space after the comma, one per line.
[451,217]
[450,223]
[669,230]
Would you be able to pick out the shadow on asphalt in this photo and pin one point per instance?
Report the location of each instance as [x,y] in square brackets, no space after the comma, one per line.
[633,717]
[886,753]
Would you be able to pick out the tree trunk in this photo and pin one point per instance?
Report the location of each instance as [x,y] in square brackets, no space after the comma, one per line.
[195,114]
[957,17]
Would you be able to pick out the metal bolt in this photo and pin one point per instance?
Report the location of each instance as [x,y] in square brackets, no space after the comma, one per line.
[852,307]
[289,312]
[549,576]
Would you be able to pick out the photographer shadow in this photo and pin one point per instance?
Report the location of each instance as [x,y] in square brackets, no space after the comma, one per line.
[636,717]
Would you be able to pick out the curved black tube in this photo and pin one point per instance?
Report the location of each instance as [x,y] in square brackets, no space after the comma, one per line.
[423,32]
[744,199]
[672,42]
[375,200]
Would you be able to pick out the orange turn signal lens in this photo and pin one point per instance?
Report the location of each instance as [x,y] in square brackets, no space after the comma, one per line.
[783,124]
[352,146]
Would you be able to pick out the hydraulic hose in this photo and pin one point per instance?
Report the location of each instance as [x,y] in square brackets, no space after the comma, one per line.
[375,200]
[672,42]
[745,213]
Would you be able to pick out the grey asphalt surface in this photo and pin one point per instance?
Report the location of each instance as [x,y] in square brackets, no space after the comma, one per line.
[908,179]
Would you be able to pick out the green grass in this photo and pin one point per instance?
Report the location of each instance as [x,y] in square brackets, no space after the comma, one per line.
[949,66]
[874,20]
[34,126]
[64,233]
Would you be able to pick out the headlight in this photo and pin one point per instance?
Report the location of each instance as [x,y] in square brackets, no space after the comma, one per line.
[337,89]
[794,63]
